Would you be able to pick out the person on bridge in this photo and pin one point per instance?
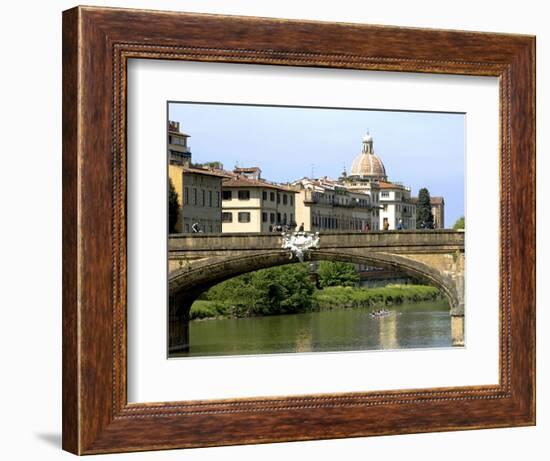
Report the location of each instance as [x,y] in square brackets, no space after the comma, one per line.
[366,228]
[196,227]
[400,225]
[301,228]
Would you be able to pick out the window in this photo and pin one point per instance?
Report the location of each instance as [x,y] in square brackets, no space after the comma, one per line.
[186,195]
[210,198]
[203,194]
[291,218]
[272,196]
[227,195]
[194,196]
[177,140]
[271,218]
[244,216]
[244,195]
[264,216]
[292,200]
[264,195]
[278,197]
[227,216]
[217,199]
[285,199]
[284,217]
[278,218]
[384,194]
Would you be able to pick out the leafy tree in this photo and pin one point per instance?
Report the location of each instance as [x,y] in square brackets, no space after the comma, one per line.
[286,289]
[424,216]
[216,164]
[459,223]
[173,208]
[335,273]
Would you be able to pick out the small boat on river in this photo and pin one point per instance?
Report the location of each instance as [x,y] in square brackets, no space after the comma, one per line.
[380,313]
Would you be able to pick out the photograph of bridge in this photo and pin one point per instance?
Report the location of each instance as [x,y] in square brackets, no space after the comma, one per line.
[300,229]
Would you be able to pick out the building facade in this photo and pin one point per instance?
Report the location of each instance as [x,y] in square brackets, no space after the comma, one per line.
[397,210]
[199,198]
[438,212]
[251,204]
[178,150]
[198,189]
[332,206]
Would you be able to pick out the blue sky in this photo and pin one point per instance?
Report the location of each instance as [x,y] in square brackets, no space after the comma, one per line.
[419,149]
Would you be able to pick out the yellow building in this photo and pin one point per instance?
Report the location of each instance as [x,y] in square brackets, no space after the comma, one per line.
[199,198]
[251,204]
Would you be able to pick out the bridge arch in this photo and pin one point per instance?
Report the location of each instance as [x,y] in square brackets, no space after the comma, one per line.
[186,284]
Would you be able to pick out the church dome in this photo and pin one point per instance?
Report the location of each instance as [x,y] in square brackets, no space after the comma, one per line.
[367,164]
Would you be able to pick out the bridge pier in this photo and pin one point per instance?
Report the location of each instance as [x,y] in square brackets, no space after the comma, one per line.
[457,308]
[457,330]
[178,323]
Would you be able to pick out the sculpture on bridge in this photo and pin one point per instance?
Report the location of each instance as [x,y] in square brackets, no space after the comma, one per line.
[300,243]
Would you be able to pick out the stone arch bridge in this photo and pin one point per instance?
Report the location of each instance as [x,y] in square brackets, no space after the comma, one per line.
[200,261]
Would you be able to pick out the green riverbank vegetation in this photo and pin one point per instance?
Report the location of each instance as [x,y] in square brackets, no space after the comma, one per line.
[290,289]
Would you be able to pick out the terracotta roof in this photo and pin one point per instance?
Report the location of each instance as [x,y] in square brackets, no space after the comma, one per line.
[181,133]
[203,171]
[390,185]
[174,127]
[251,169]
[245,182]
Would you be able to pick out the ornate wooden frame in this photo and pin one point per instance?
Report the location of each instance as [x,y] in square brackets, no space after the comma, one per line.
[97,43]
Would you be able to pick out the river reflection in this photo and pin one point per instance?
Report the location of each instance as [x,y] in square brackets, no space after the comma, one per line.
[417,325]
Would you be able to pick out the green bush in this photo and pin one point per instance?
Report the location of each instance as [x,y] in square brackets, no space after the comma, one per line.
[334,273]
[333,297]
[202,309]
[280,290]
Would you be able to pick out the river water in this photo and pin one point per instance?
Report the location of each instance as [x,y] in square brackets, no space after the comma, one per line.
[416,325]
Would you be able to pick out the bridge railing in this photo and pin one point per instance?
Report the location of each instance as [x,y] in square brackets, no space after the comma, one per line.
[448,239]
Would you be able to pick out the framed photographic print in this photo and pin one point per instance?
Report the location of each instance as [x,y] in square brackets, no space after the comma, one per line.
[285,230]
